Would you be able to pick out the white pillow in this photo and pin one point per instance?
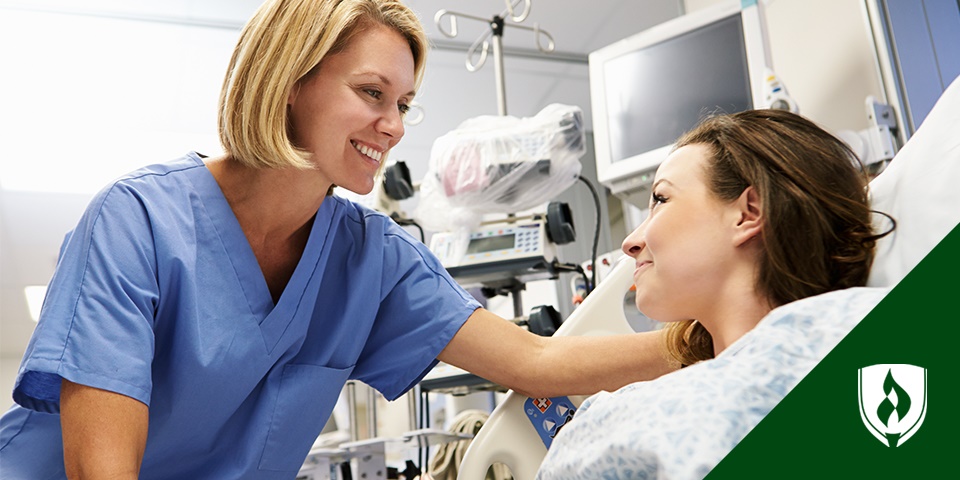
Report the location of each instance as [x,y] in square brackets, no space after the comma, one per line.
[920,189]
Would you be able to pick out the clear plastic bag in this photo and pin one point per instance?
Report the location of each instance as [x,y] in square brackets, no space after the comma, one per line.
[500,164]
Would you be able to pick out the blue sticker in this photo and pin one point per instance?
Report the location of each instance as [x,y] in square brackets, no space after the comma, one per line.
[747,3]
[548,416]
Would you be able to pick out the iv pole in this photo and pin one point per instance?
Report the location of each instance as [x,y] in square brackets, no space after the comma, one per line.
[497,25]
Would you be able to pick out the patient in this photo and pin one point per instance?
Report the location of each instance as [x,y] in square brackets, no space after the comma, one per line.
[750,212]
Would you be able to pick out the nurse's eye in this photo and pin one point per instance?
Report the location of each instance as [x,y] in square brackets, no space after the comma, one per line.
[403,109]
[373,92]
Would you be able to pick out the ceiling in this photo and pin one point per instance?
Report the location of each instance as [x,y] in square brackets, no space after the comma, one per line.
[33,223]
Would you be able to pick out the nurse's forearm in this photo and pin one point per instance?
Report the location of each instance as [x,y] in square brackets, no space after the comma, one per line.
[504,353]
[104,433]
[584,365]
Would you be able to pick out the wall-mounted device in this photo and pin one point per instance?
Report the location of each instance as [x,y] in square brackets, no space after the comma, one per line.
[775,94]
[648,89]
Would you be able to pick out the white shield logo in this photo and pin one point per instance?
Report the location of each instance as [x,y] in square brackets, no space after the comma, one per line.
[893,401]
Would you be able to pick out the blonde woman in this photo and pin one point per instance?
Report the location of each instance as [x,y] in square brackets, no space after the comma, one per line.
[206,312]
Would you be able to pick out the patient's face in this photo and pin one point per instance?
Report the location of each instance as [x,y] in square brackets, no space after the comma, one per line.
[683,247]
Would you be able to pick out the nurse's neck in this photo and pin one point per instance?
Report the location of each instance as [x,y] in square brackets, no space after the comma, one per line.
[270,202]
[275,209]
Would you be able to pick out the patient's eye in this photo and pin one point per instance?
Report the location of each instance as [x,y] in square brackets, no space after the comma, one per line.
[657,199]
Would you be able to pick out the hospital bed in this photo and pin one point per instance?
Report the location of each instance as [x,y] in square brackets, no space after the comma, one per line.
[920,189]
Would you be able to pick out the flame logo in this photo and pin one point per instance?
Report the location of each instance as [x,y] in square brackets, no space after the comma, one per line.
[886,408]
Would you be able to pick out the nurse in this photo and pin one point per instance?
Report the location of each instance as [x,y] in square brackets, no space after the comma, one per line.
[206,312]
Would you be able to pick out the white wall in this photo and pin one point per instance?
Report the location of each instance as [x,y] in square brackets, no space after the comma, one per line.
[8,374]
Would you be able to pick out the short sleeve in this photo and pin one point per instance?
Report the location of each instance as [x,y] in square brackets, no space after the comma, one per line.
[96,323]
[421,309]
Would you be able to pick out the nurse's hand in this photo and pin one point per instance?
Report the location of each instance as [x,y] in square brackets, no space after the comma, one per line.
[104,433]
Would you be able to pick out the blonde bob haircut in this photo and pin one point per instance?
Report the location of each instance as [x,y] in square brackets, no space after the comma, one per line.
[282,43]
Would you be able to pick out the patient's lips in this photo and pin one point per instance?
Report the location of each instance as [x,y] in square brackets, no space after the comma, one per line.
[641,265]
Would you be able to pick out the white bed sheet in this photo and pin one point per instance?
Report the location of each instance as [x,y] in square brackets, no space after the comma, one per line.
[921,190]
[681,425]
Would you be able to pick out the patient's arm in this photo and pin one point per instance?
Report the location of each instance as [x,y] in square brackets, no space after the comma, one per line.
[536,366]
[104,433]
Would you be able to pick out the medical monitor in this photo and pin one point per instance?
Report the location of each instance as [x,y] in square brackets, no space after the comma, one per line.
[650,88]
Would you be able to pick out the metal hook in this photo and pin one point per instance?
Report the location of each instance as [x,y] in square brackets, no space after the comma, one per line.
[511,4]
[472,51]
[538,32]
[438,18]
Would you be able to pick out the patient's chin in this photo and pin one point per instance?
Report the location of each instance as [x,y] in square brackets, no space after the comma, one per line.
[658,312]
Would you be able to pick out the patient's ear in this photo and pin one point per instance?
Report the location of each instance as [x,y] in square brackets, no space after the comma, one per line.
[750,216]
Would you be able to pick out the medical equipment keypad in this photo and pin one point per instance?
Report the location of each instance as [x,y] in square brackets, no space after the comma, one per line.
[494,243]
[548,416]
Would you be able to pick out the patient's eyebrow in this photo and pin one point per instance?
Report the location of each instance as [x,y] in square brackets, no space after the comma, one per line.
[662,180]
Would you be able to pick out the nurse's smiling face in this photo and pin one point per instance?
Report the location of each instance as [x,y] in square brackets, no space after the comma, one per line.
[683,249]
[348,113]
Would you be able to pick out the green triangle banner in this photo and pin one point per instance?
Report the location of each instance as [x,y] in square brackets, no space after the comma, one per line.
[882,404]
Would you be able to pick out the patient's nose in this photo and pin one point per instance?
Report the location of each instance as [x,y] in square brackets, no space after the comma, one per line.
[634,243]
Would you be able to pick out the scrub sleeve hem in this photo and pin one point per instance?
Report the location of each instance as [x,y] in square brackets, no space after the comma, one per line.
[49,367]
[435,347]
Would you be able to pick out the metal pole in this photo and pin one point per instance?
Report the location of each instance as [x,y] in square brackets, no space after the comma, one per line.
[352,410]
[372,412]
[412,407]
[517,302]
[497,26]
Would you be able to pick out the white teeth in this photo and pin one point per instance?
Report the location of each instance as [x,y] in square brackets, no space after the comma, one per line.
[368,151]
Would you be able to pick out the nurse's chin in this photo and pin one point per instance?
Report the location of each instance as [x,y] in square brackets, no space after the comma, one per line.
[359,189]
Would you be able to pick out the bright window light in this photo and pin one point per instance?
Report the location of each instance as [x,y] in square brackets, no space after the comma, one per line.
[81,108]
[35,294]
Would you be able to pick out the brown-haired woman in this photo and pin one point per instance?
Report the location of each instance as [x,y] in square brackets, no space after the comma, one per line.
[759,222]
[749,212]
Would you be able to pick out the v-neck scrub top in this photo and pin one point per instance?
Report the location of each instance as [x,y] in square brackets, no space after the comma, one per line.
[158,296]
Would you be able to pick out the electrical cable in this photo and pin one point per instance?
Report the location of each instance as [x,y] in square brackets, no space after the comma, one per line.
[445,464]
[556,266]
[408,222]
[596,236]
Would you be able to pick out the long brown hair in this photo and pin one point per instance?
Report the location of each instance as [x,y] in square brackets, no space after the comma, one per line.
[817,234]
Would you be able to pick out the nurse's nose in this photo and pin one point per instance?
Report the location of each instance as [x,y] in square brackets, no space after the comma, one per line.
[391,124]
[635,243]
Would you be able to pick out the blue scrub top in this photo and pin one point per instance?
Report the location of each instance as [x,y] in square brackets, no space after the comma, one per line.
[158,296]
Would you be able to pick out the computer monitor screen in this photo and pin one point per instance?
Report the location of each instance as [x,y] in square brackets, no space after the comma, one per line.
[699,71]
[650,88]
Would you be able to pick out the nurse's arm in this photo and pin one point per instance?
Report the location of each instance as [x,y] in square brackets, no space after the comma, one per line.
[104,433]
[500,351]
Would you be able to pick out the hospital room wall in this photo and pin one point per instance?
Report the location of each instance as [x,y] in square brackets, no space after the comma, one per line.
[821,50]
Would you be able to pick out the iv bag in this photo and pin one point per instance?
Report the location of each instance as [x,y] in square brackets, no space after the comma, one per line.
[500,164]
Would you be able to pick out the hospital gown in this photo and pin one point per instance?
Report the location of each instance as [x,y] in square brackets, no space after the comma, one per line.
[681,425]
[159,297]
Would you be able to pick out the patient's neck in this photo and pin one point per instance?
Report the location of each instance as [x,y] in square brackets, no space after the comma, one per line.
[733,318]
